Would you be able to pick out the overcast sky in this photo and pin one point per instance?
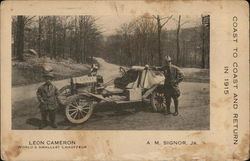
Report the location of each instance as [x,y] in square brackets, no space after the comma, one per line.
[110,24]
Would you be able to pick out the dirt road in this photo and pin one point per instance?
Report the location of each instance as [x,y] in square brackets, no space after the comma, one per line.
[194,109]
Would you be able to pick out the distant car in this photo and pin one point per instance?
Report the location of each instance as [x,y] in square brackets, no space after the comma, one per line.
[137,84]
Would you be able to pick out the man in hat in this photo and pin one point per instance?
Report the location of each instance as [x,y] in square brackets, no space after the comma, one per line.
[47,95]
[173,76]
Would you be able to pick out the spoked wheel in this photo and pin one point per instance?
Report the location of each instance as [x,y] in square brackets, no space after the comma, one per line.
[158,101]
[64,93]
[79,109]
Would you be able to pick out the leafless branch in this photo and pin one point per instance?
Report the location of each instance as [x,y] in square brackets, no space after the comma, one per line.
[176,21]
[167,21]
[184,23]
[42,18]
[26,20]
[163,18]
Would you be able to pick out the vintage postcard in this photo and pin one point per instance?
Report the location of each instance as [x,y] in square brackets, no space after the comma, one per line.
[125,80]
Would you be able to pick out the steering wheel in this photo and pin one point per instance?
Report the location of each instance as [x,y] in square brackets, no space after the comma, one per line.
[122,70]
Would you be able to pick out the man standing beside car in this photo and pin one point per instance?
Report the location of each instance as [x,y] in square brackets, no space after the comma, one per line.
[173,76]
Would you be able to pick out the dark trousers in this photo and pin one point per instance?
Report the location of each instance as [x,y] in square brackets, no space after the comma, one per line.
[50,113]
[172,92]
[168,103]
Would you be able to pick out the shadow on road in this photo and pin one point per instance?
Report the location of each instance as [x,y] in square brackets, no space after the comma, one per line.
[34,122]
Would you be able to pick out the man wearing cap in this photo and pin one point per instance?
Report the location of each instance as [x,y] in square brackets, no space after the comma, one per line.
[47,95]
[173,76]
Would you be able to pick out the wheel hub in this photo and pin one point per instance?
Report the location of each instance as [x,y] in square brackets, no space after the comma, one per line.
[79,108]
[159,99]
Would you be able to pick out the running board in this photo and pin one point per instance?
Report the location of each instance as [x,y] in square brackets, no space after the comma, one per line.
[120,102]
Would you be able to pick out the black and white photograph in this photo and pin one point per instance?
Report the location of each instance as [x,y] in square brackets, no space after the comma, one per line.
[110,72]
[124,80]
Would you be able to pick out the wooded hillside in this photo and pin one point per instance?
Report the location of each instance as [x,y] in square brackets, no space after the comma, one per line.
[75,37]
[144,40]
[137,43]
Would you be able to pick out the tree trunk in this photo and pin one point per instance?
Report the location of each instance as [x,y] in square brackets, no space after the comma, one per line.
[64,42]
[70,44]
[20,38]
[81,38]
[49,37]
[159,40]
[76,42]
[203,63]
[39,36]
[178,41]
[13,47]
[159,28]
[54,38]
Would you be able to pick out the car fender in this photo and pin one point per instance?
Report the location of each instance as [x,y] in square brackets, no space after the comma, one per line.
[96,97]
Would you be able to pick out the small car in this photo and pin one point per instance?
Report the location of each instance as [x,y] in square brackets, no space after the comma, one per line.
[136,84]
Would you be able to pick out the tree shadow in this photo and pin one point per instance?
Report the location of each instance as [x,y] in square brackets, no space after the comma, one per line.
[65,122]
[120,113]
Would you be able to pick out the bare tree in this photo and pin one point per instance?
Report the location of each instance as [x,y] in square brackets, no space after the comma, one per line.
[65,26]
[77,37]
[40,22]
[179,25]
[126,31]
[137,45]
[135,42]
[54,39]
[205,40]
[20,37]
[160,25]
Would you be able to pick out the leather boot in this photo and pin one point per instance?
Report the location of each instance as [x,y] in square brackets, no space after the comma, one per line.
[42,125]
[167,111]
[176,113]
[176,104]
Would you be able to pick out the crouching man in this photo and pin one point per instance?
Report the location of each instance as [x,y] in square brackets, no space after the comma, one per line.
[47,95]
[173,76]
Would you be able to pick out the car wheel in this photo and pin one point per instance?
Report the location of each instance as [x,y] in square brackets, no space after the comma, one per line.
[158,101]
[79,109]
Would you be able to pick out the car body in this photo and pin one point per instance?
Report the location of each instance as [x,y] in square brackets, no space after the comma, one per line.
[135,84]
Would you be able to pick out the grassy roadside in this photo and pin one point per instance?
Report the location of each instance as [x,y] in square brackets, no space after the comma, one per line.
[196,75]
[31,71]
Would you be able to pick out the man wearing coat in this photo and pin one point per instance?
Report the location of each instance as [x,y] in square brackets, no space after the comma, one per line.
[47,95]
[173,76]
